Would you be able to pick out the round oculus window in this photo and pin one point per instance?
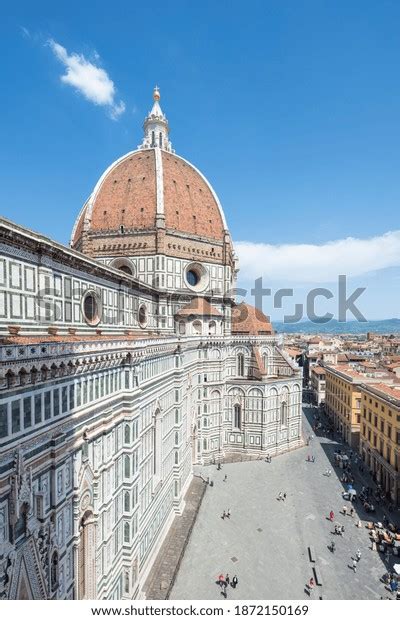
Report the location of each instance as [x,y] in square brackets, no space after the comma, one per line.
[196,276]
[91,308]
[192,277]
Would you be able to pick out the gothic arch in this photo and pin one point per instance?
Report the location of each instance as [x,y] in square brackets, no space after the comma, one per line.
[87,556]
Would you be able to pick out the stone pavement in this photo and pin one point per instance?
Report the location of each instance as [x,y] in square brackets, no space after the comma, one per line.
[162,574]
[265,542]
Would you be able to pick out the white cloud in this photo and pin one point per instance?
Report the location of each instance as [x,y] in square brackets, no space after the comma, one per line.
[91,81]
[25,32]
[318,263]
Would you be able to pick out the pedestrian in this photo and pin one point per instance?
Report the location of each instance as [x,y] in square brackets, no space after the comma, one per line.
[221,580]
[358,555]
[227,578]
[223,515]
[224,593]
[226,477]
[342,530]
[344,510]
[280,495]
[352,511]
[228,514]
[308,458]
[284,496]
[355,565]
[331,515]
[385,520]
[235,581]
[311,583]
[313,459]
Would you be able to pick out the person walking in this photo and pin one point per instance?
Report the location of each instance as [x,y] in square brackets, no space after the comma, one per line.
[221,580]
[355,566]
[311,583]
[331,515]
[227,579]
[313,459]
[280,495]
[226,477]
[344,510]
[284,496]
[228,514]
[235,581]
[223,515]
[352,511]
[358,555]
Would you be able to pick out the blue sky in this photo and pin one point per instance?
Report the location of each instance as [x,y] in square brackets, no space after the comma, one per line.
[291,109]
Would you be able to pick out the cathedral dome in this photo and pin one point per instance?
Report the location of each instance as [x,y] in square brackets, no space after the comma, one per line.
[144,186]
[150,198]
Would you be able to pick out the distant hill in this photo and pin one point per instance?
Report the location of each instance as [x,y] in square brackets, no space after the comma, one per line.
[388,326]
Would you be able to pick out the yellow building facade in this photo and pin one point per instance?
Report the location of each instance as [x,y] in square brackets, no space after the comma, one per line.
[343,402]
[380,436]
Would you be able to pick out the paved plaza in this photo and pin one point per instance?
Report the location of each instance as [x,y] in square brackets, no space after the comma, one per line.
[265,542]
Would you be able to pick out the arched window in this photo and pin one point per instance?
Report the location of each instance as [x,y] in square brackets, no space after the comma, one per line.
[127,501]
[127,467]
[10,378]
[182,328]
[237,416]
[284,413]
[197,327]
[127,434]
[240,365]
[212,327]
[54,571]
[127,533]
[153,138]
[160,138]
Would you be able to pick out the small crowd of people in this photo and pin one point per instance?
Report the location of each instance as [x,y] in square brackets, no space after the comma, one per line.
[224,581]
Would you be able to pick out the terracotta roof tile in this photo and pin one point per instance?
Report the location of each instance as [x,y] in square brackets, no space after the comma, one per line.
[27,340]
[247,319]
[127,197]
[198,307]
